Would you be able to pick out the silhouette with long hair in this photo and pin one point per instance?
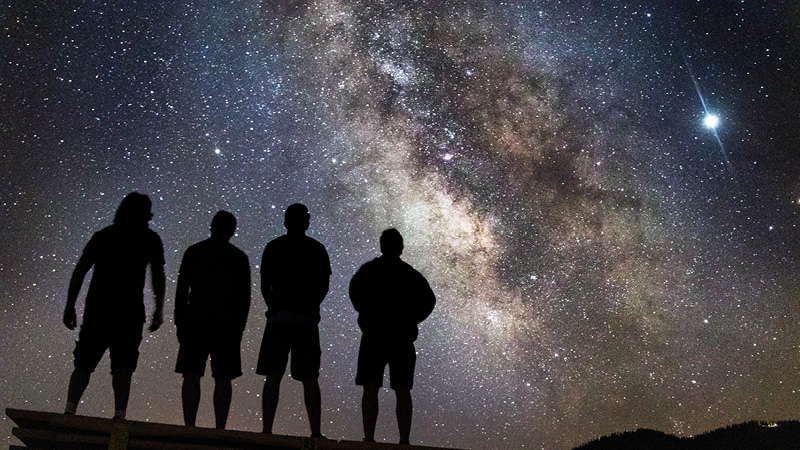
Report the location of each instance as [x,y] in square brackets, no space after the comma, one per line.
[295,276]
[392,299]
[114,313]
[212,301]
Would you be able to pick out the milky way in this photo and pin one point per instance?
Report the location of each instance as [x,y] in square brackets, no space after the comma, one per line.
[598,266]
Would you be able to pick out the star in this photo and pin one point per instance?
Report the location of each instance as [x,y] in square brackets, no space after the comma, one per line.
[711,121]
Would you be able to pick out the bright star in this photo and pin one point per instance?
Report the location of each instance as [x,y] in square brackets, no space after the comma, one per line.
[711,121]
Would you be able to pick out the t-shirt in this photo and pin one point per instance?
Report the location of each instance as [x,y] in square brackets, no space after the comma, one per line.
[216,276]
[295,271]
[120,255]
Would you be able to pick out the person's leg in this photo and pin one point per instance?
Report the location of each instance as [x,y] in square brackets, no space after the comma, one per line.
[190,397]
[223,391]
[313,400]
[306,353]
[88,352]
[124,340]
[226,365]
[404,410]
[369,410]
[402,362]
[121,382]
[269,399]
[369,374]
[272,359]
[78,382]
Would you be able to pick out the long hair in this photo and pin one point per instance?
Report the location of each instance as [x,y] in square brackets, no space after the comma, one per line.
[135,209]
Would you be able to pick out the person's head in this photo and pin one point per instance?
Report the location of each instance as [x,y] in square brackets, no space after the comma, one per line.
[135,209]
[297,218]
[223,225]
[391,242]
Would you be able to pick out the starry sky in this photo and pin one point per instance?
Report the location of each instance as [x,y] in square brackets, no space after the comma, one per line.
[602,260]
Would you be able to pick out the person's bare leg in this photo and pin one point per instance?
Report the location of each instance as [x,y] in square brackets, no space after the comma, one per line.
[313,400]
[121,382]
[190,397]
[223,391]
[78,382]
[404,411]
[369,410]
[269,400]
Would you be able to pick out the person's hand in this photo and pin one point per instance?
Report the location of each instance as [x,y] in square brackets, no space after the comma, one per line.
[70,318]
[178,319]
[158,319]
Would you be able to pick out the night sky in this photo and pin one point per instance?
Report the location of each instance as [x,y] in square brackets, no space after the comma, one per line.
[603,260]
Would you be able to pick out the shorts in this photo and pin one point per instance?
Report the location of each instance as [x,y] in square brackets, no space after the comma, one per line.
[196,345]
[375,353]
[120,339]
[293,334]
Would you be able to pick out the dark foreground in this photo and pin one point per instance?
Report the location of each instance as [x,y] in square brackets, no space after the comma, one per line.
[745,436]
[52,431]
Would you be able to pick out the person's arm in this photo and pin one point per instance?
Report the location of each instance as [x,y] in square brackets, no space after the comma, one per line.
[245,286]
[324,284]
[323,287]
[182,292]
[266,279]
[427,300]
[356,291]
[159,279]
[266,287]
[78,274]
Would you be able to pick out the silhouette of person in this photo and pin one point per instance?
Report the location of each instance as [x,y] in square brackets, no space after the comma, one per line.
[295,276]
[212,301]
[392,299]
[114,313]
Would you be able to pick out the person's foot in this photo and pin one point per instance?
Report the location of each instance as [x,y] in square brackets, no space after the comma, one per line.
[369,440]
[318,436]
[405,443]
